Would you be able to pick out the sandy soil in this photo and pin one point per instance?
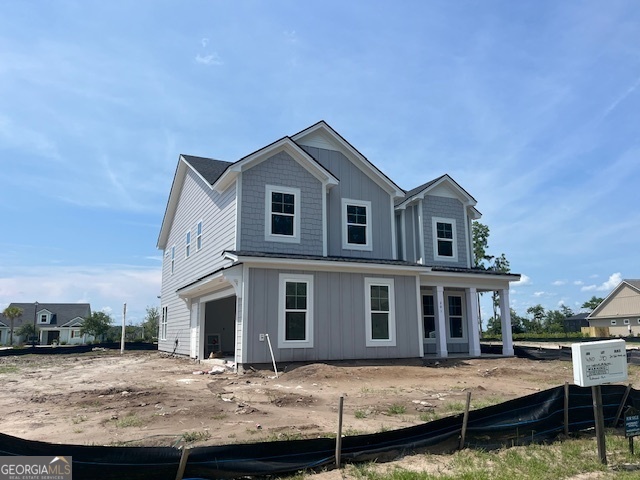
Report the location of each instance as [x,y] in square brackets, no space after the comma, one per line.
[147,398]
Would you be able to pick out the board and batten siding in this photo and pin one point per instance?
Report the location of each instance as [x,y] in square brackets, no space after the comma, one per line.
[355,185]
[338,318]
[197,202]
[450,208]
[280,170]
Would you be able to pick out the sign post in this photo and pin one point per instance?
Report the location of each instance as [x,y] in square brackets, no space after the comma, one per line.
[596,363]
[631,426]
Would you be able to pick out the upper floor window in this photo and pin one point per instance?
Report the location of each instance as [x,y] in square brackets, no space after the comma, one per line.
[356,221]
[187,249]
[173,258]
[380,312]
[295,320]
[444,239]
[199,236]
[43,318]
[282,214]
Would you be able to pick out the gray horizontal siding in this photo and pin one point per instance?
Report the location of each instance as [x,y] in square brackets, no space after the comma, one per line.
[445,207]
[339,318]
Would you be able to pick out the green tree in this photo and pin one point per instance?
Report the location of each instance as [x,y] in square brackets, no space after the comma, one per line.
[592,304]
[538,313]
[12,313]
[150,324]
[27,330]
[554,321]
[566,311]
[499,264]
[480,233]
[96,325]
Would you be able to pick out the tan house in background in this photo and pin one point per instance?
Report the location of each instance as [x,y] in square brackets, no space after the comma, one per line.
[619,311]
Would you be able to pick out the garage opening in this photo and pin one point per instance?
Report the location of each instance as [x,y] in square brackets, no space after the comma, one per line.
[220,327]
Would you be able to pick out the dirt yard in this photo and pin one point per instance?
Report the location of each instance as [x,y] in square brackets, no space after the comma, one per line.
[147,398]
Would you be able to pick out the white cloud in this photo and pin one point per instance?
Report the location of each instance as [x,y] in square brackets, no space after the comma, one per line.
[538,294]
[524,280]
[578,282]
[211,59]
[610,284]
[204,42]
[559,283]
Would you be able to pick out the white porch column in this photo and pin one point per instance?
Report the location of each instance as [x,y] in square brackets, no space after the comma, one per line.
[472,316]
[441,328]
[505,317]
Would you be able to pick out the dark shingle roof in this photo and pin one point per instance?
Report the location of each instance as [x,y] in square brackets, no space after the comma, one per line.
[634,283]
[61,312]
[209,168]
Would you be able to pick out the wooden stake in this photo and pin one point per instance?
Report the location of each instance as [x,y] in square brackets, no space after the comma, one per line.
[465,419]
[598,415]
[339,435]
[566,408]
[621,406]
[183,462]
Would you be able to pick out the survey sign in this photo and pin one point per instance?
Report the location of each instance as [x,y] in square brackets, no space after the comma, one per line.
[596,363]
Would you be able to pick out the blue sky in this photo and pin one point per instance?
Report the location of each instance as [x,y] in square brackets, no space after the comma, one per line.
[533,107]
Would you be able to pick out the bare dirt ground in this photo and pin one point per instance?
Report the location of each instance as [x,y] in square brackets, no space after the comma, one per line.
[147,398]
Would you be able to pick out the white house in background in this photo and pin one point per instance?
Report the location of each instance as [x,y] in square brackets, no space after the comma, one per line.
[620,311]
[307,244]
[57,323]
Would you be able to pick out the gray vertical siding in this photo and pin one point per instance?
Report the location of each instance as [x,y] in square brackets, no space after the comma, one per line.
[217,211]
[445,207]
[339,318]
[355,185]
[280,170]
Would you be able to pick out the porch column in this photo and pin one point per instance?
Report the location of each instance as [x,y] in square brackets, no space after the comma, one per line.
[441,328]
[505,317]
[472,316]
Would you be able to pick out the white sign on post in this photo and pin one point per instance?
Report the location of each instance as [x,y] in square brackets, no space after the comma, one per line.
[595,363]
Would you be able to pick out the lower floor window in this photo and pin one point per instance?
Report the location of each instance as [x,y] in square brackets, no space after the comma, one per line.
[456,329]
[428,316]
[75,333]
[163,323]
[380,310]
[296,311]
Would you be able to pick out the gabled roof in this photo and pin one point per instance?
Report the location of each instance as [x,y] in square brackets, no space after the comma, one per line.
[61,312]
[209,169]
[424,189]
[284,144]
[632,283]
[323,130]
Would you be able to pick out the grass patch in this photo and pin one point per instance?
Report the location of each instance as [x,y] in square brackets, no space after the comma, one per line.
[428,416]
[131,420]
[360,414]
[79,419]
[455,407]
[190,437]
[487,402]
[280,436]
[396,409]
[8,369]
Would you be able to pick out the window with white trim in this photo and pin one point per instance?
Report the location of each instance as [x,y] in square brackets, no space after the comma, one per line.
[626,321]
[187,248]
[44,318]
[282,214]
[75,334]
[456,317]
[295,311]
[199,236]
[428,317]
[614,322]
[173,258]
[380,312]
[163,323]
[356,224]
[444,239]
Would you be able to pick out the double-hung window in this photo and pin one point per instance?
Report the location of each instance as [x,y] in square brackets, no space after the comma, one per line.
[173,258]
[282,214]
[444,239]
[163,323]
[428,317]
[356,224]
[187,250]
[199,236]
[380,312]
[295,320]
[456,317]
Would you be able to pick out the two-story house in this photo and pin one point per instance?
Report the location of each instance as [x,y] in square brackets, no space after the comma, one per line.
[306,245]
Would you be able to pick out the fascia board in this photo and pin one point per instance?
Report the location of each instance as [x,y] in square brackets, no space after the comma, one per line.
[350,152]
[468,200]
[614,292]
[470,280]
[172,203]
[284,144]
[328,266]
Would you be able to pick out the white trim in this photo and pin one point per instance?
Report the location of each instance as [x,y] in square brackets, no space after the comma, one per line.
[187,244]
[435,323]
[297,204]
[421,258]
[172,255]
[469,242]
[164,322]
[368,245]
[394,232]
[403,233]
[238,214]
[384,282]
[284,278]
[454,240]
[44,313]
[420,322]
[325,220]
[463,317]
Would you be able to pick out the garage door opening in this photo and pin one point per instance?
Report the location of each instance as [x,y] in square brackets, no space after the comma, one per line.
[220,330]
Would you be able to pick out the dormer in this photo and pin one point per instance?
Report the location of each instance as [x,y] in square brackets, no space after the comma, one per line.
[44,316]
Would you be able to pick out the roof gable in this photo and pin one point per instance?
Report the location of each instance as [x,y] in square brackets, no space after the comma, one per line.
[321,135]
[633,287]
[443,186]
[62,312]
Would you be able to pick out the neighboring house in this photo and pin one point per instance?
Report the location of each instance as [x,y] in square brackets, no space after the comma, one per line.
[620,310]
[576,323]
[307,246]
[56,323]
